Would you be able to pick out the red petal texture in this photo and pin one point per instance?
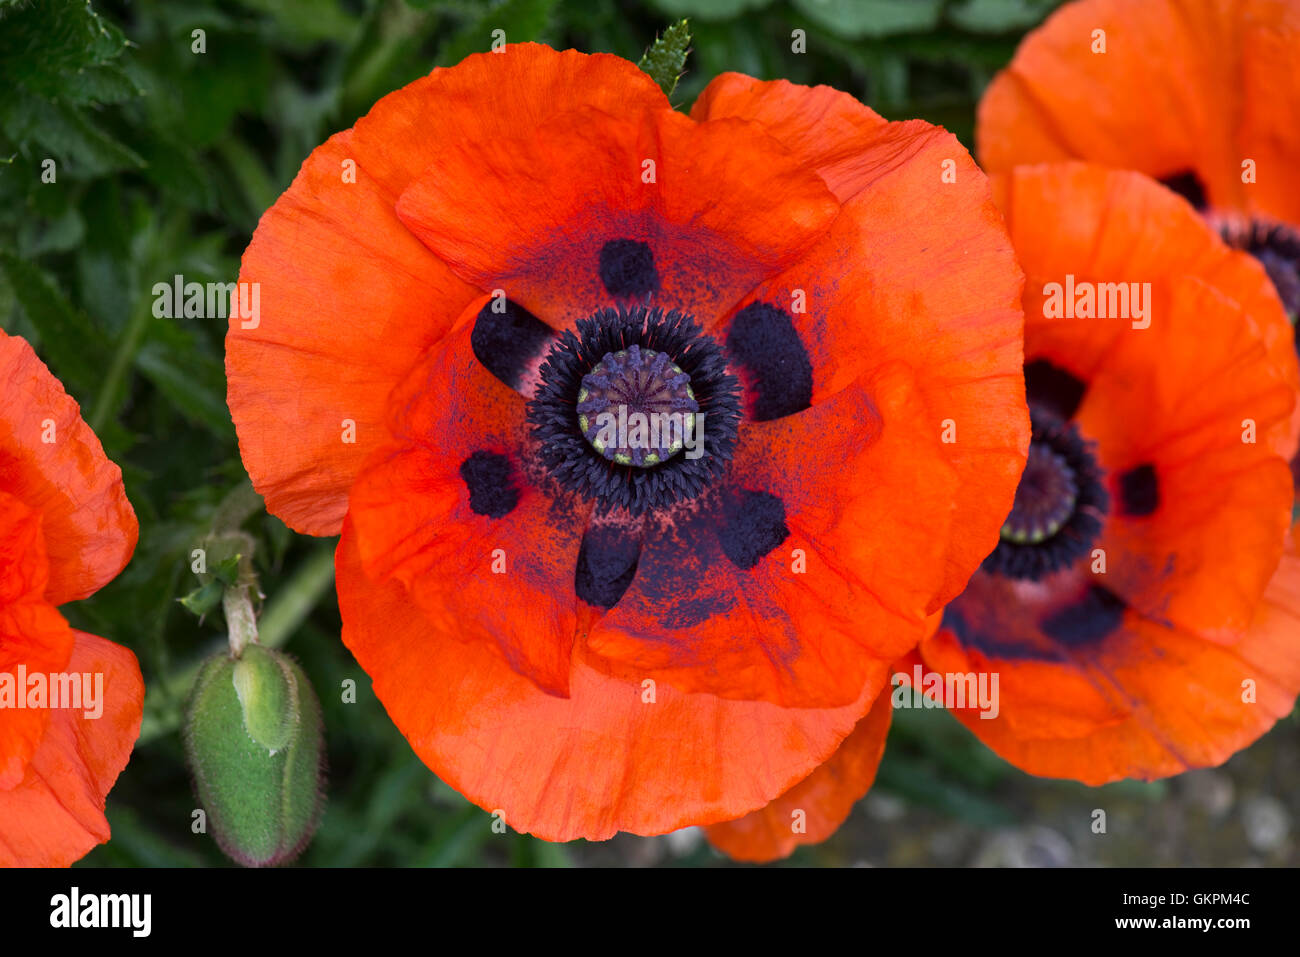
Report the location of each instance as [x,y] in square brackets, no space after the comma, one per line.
[917,269]
[1107,226]
[413,522]
[1202,558]
[1183,85]
[52,462]
[56,813]
[604,759]
[32,634]
[727,208]
[1149,702]
[348,298]
[819,803]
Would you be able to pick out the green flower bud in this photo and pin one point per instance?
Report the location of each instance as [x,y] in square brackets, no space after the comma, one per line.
[254,741]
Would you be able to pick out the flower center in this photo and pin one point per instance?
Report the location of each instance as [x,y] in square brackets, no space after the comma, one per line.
[1045,498]
[636,407]
[1059,506]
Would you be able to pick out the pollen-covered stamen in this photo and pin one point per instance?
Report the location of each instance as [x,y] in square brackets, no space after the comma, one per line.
[1059,506]
[1277,247]
[636,407]
[1045,498]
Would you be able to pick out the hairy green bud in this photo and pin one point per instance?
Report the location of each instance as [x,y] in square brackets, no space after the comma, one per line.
[255,745]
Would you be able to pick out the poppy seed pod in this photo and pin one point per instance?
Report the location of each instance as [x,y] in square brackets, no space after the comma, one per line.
[254,742]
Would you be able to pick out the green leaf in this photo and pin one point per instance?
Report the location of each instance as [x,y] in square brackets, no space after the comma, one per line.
[47,47]
[309,20]
[64,133]
[854,19]
[999,16]
[203,599]
[666,58]
[520,20]
[68,338]
[709,9]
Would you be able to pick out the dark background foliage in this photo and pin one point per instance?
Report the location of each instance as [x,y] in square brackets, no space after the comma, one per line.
[165,160]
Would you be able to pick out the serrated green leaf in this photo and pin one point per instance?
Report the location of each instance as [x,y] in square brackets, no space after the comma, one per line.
[65,135]
[46,46]
[108,83]
[666,57]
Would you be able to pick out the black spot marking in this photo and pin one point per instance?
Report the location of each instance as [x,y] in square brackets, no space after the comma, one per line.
[1139,491]
[753,523]
[506,342]
[491,491]
[1094,616]
[607,561]
[762,338]
[1187,185]
[627,268]
[1048,386]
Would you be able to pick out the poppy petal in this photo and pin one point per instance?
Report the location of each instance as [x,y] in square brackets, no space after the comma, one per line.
[1180,86]
[616,755]
[814,572]
[1103,226]
[827,129]
[917,268]
[52,462]
[1210,490]
[347,297]
[1146,701]
[592,206]
[33,636]
[447,511]
[813,809]
[56,813]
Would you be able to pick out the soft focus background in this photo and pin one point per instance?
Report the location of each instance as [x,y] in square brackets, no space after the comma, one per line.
[166,158]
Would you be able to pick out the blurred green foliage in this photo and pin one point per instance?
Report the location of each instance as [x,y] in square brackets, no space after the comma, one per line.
[165,157]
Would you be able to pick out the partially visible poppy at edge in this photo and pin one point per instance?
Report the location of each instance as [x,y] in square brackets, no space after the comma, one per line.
[66,530]
[580,635]
[1199,94]
[1141,607]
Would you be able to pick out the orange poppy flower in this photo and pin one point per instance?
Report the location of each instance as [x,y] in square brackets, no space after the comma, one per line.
[1140,610]
[1199,94]
[66,530]
[576,626]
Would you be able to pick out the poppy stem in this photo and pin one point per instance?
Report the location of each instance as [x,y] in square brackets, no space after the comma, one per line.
[237,603]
